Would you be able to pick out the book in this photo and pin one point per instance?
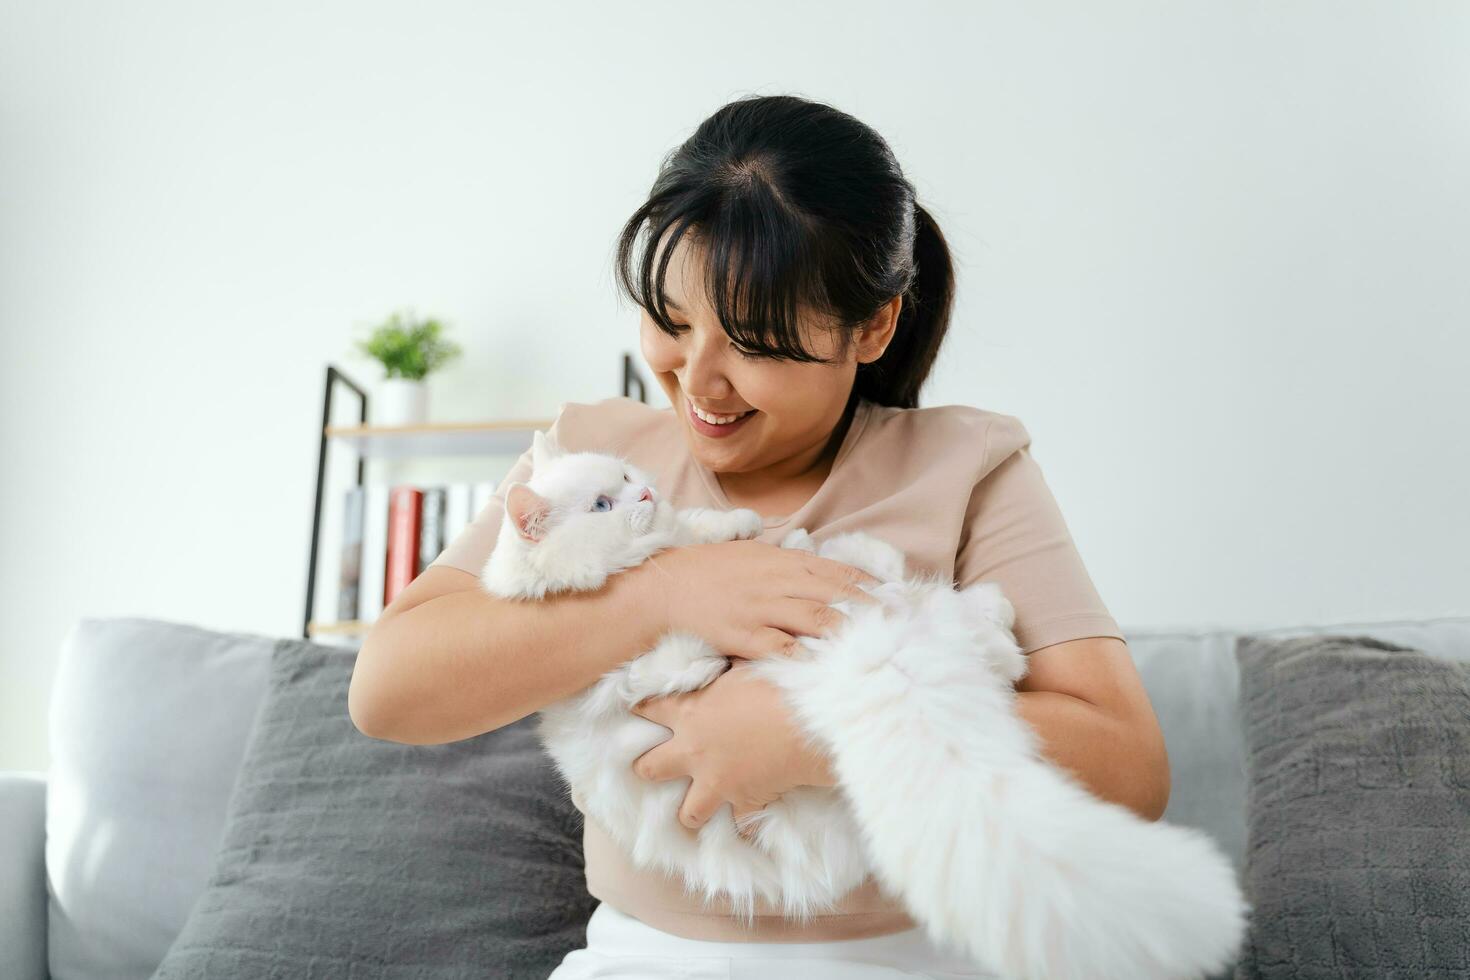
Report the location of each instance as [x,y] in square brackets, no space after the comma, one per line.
[374,552]
[350,571]
[457,512]
[356,575]
[431,526]
[404,529]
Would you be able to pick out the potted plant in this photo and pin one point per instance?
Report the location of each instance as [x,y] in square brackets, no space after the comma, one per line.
[409,348]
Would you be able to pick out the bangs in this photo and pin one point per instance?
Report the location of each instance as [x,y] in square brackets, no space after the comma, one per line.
[763,269]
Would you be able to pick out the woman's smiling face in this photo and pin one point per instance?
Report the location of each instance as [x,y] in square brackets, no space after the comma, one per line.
[794,406]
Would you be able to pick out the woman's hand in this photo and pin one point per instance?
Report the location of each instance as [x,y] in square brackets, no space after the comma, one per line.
[738,742]
[751,599]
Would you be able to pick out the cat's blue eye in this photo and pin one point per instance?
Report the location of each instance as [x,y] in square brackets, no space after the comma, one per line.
[603,503]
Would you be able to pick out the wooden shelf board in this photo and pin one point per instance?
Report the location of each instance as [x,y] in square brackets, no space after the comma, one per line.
[350,627]
[500,437]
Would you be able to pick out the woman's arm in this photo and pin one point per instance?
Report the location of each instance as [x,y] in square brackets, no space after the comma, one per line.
[1082,694]
[1087,704]
[447,660]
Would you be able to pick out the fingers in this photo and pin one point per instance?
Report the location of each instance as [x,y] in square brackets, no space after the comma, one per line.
[699,802]
[793,619]
[805,617]
[698,806]
[656,709]
[845,574]
[827,581]
[659,763]
[771,642]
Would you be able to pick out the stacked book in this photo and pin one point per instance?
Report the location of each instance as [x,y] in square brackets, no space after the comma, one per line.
[387,536]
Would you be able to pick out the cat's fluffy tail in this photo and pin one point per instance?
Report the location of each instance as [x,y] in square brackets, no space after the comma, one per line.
[994,850]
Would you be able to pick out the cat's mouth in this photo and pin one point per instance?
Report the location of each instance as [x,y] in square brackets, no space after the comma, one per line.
[641,517]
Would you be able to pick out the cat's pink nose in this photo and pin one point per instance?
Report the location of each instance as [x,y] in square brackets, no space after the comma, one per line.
[647,494]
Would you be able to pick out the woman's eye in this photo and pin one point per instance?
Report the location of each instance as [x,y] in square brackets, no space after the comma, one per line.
[679,328]
[603,503]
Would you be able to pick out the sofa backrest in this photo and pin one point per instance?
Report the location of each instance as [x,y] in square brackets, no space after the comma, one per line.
[149,722]
[148,726]
[1193,683]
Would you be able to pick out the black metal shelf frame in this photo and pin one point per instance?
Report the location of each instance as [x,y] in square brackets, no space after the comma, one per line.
[333,376]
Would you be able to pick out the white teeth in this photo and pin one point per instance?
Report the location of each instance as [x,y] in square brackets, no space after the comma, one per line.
[717,419]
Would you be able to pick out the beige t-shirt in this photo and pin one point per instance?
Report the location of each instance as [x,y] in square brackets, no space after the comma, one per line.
[954,487]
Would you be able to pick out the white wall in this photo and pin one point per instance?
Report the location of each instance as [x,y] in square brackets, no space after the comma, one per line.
[1214,256]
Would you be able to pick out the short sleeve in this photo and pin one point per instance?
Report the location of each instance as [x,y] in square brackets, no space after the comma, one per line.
[471,548]
[1015,536]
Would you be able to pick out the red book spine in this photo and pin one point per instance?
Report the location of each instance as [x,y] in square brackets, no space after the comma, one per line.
[404,514]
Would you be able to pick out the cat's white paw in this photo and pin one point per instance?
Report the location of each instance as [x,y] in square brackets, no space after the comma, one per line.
[1004,657]
[705,525]
[699,516]
[691,677]
[745,524]
[680,662]
[799,539]
[986,601]
[991,615]
[873,555]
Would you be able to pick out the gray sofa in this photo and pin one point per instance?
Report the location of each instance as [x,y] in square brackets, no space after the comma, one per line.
[105,854]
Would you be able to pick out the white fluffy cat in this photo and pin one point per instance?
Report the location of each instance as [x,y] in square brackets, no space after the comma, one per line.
[943,794]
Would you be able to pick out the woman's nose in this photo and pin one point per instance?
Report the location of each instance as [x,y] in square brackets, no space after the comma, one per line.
[704,369]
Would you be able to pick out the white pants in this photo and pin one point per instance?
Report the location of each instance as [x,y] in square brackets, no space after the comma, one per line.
[621,946]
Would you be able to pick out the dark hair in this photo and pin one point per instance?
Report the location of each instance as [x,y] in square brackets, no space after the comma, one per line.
[797,205]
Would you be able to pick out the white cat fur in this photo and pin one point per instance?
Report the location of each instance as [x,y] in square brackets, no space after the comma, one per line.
[943,794]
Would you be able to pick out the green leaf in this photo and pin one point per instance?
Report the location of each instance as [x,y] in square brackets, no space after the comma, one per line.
[409,347]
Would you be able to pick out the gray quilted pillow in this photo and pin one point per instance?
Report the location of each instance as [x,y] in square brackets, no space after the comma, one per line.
[1358,862]
[347,856]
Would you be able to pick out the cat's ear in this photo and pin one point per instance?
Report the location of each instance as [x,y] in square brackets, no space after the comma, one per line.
[529,512]
[543,451]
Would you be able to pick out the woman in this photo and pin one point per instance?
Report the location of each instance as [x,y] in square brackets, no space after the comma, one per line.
[794,296]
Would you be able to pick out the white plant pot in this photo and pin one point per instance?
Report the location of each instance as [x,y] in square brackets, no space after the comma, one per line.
[401,401]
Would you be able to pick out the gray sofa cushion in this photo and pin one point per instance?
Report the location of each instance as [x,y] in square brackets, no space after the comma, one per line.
[148,723]
[1358,861]
[23,876]
[1193,682]
[348,856]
